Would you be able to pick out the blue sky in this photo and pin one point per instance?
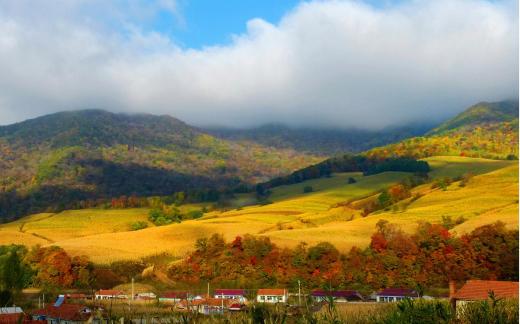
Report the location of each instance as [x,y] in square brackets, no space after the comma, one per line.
[210,22]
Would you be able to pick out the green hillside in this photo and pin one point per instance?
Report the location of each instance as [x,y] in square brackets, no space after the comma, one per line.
[486,130]
[54,162]
[481,113]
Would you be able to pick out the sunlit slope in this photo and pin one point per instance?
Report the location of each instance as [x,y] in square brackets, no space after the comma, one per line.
[292,217]
[485,199]
[78,223]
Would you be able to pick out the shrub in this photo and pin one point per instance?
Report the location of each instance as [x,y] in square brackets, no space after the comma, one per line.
[139,225]
[493,310]
[351,180]
[308,189]
[419,311]
[194,214]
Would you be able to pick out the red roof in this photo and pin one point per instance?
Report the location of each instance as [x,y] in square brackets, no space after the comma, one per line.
[479,289]
[109,292]
[70,312]
[271,292]
[398,292]
[230,292]
[15,319]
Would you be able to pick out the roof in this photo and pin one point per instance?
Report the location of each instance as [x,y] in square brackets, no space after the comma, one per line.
[11,310]
[337,294]
[272,292]
[71,312]
[230,292]
[398,292]
[479,289]
[175,295]
[18,318]
[109,292]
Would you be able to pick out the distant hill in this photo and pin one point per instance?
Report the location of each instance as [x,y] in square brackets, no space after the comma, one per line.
[324,142]
[487,130]
[482,113]
[51,162]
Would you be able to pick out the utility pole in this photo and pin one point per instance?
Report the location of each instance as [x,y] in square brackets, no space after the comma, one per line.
[208,289]
[299,294]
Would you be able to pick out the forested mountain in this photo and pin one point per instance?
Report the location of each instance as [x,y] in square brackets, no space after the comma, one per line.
[487,130]
[324,142]
[54,161]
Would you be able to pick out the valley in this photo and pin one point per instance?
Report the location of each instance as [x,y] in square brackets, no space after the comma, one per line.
[292,216]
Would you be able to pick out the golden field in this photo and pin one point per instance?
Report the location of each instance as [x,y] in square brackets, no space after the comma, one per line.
[292,217]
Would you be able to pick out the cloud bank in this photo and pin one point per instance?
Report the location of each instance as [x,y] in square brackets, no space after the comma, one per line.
[326,63]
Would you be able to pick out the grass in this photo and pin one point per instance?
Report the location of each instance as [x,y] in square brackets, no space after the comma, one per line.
[293,216]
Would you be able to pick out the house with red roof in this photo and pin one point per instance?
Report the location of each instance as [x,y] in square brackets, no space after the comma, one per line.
[207,306]
[63,314]
[475,290]
[272,296]
[389,295]
[337,296]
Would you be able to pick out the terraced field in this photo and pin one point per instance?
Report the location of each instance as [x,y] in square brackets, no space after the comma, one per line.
[292,217]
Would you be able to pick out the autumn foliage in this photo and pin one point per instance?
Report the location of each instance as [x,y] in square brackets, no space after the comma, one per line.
[428,258]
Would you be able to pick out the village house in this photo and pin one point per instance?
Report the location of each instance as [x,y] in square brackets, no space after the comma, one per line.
[476,290]
[388,295]
[338,296]
[235,294]
[271,296]
[63,314]
[110,294]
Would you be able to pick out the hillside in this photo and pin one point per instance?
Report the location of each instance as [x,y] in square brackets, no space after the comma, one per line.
[487,130]
[481,114]
[324,142]
[331,212]
[55,161]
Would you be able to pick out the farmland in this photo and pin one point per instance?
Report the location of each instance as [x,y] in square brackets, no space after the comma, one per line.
[328,213]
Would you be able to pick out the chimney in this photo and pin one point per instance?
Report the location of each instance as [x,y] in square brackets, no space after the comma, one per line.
[453,288]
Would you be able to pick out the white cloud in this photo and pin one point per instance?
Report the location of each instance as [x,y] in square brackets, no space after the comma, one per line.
[340,63]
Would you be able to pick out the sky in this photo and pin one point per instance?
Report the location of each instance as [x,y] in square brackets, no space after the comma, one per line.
[243,63]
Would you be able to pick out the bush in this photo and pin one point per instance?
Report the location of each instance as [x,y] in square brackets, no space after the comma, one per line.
[194,214]
[139,225]
[419,311]
[351,180]
[493,310]
[308,189]
[164,216]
